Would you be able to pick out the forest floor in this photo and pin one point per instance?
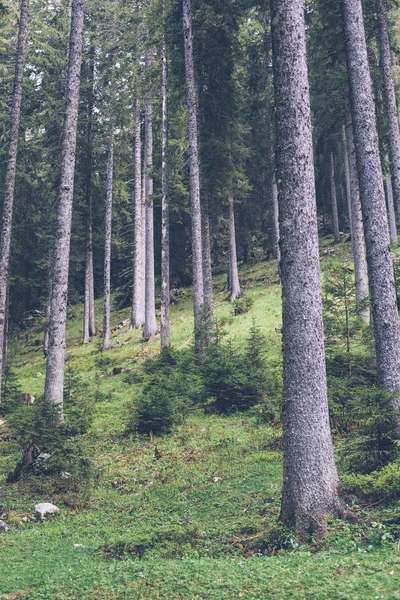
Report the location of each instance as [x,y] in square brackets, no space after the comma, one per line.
[194,519]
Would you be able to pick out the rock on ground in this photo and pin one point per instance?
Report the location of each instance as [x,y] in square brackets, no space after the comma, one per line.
[46,508]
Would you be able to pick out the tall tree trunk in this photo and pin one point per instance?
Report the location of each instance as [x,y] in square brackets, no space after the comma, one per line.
[165,295]
[310,481]
[150,323]
[137,319]
[275,203]
[335,215]
[236,292]
[107,247]
[8,204]
[380,263]
[198,290]
[357,232]
[346,167]
[89,326]
[208,309]
[390,205]
[390,97]
[58,311]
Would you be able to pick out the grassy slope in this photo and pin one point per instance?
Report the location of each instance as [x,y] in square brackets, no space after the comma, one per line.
[199,535]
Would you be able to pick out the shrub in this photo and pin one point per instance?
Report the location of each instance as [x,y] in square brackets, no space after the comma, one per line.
[11,392]
[242,305]
[384,483]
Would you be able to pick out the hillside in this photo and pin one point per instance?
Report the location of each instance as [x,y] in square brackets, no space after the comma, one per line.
[192,514]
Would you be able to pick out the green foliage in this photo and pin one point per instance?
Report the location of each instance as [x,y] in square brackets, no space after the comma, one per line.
[11,392]
[381,484]
[372,442]
[242,305]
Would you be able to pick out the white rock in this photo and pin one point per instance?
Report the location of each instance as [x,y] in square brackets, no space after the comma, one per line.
[78,546]
[43,456]
[215,479]
[25,520]
[38,375]
[1,422]
[4,526]
[65,475]
[46,508]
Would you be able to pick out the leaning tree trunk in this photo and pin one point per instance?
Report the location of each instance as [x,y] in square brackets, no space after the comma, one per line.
[310,481]
[390,206]
[390,97]
[8,204]
[137,319]
[335,214]
[107,247]
[236,292]
[380,263]
[58,311]
[198,290]
[357,229]
[165,295]
[150,323]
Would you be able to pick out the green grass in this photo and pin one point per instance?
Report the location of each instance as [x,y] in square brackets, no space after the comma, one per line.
[198,522]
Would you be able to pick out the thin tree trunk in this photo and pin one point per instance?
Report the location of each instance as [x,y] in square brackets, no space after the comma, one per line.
[310,481]
[380,263]
[165,295]
[8,204]
[137,319]
[47,307]
[346,166]
[390,205]
[107,247]
[150,324]
[390,97]
[208,309]
[198,290]
[357,233]
[335,215]
[236,292]
[276,221]
[58,311]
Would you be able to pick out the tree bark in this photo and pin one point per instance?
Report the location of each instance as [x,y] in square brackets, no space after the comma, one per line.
[380,263]
[236,292]
[198,289]
[390,97]
[335,215]
[150,324]
[310,481]
[137,319]
[346,167]
[275,203]
[107,247]
[8,204]
[208,309]
[165,291]
[58,310]
[390,206]
[357,232]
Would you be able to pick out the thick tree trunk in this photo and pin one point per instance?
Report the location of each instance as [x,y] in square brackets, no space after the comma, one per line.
[8,204]
[236,292]
[107,247]
[275,202]
[390,206]
[380,263]
[150,324]
[310,481]
[198,290]
[346,167]
[165,297]
[357,232]
[58,311]
[390,97]
[137,319]
[335,214]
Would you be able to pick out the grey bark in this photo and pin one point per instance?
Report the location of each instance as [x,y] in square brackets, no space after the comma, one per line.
[357,232]
[346,167]
[236,292]
[198,290]
[390,97]
[150,322]
[335,215]
[58,311]
[11,168]
[275,203]
[208,309]
[107,247]
[165,285]
[379,259]
[310,481]
[390,206]
[137,319]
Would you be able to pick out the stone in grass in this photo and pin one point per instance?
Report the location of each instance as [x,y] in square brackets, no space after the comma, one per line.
[46,508]
[4,526]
